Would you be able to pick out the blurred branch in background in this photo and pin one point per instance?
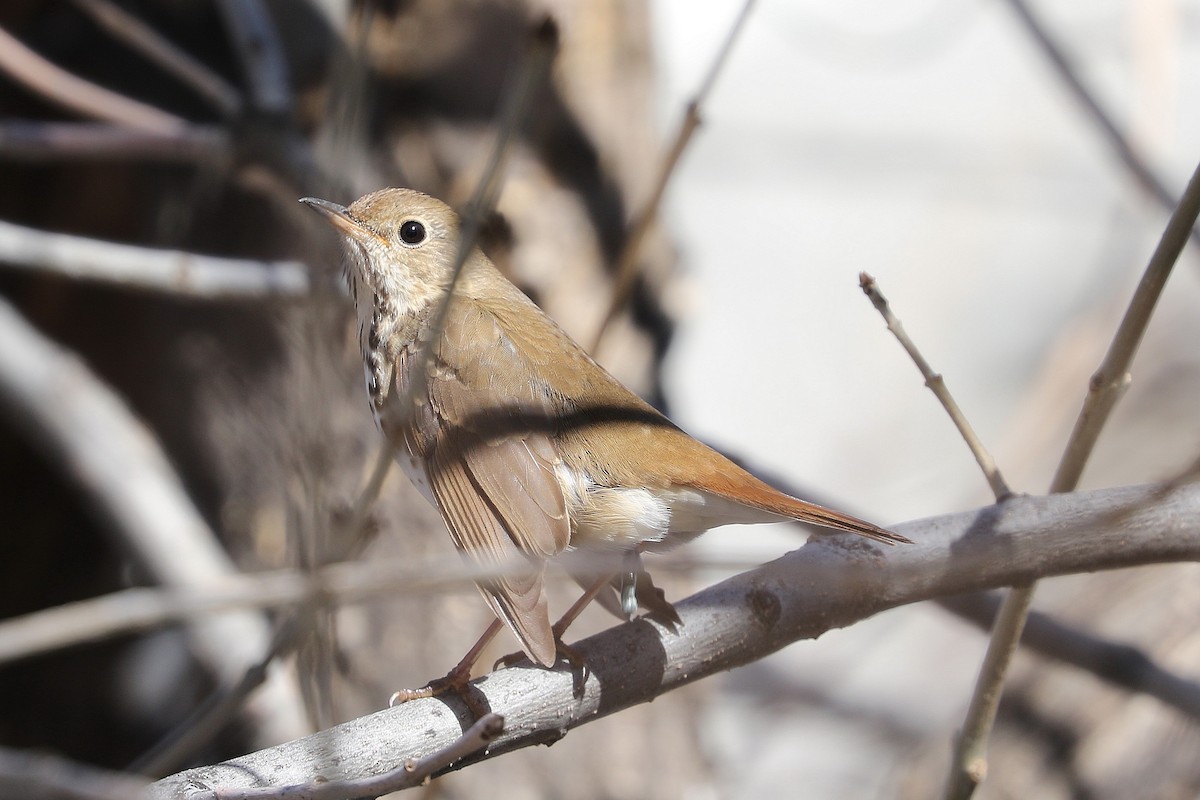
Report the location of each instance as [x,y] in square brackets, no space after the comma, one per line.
[78,421]
[171,272]
[171,59]
[1135,162]
[1119,664]
[27,142]
[81,96]
[626,269]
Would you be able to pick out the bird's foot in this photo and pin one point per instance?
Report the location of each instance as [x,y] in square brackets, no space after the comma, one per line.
[457,681]
[574,658]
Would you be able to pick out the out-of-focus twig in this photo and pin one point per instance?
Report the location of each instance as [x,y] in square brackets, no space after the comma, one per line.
[1134,161]
[531,76]
[141,37]
[1119,664]
[625,272]
[370,492]
[1106,387]
[937,385]
[257,43]
[173,272]
[46,141]
[78,95]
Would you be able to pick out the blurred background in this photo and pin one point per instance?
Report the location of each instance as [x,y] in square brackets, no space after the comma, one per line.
[932,144]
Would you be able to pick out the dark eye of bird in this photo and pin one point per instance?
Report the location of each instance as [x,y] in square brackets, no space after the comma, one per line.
[412,232]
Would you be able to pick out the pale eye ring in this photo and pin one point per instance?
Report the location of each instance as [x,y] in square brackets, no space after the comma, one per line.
[412,232]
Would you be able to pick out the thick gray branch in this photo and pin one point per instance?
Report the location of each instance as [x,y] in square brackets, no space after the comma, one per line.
[832,582]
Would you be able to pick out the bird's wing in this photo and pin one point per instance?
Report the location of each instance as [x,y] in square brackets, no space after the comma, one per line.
[492,469]
[515,591]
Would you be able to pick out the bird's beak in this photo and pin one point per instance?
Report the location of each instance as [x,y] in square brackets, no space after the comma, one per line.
[339,217]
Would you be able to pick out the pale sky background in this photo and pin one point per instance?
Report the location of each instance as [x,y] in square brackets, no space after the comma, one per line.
[923,142]
[928,144]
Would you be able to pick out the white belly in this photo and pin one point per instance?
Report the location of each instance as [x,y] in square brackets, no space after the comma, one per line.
[645,519]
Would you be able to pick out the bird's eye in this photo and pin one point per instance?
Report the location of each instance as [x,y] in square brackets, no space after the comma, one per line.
[412,232]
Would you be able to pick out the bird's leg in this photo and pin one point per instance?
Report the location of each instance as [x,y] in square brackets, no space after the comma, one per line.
[456,680]
[629,599]
[559,628]
[578,606]
[578,666]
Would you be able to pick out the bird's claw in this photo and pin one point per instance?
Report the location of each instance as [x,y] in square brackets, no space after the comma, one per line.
[457,681]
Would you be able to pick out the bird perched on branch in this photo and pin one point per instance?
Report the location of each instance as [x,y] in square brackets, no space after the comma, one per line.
[526,446]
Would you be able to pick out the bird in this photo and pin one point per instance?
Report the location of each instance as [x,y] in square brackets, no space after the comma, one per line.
[527,447]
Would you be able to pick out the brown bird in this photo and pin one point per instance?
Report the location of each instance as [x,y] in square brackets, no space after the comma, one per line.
[527,446]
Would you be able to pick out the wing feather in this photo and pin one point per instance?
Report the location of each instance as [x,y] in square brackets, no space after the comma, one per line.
[491,463]
[515,594]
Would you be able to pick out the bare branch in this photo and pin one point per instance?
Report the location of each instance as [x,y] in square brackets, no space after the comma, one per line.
[172,272]
[69,413]
[1107,386]
[938,386]
[141,609]
[257,43]
[532,73]
[1119,664]
[61,140]
[1109,382]
[405,776]
[78,95]
[147,41]
[832,582]
[1134,161]
[968,766]
[626,268]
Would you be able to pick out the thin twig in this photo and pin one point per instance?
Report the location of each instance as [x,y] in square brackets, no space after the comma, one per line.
[173,272]
[78,95]
[1109,382]
[967,761]
[937,385]
[44,141]
[174,61]
[531,76]
[829,583]
[370,492]
[38,775]
[261,52]
[1106,387]
[1133,160]
[146,608]
[626,270]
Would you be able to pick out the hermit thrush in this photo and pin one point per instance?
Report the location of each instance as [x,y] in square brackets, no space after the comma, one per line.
[526,446]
